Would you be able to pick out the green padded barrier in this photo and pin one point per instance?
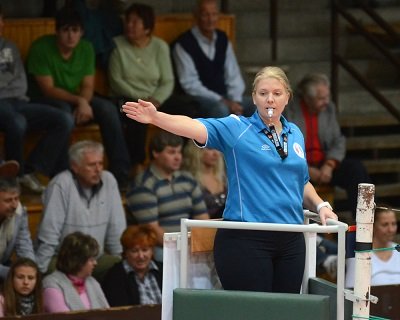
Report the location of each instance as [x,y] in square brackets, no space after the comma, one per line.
[196,304]
[323,287]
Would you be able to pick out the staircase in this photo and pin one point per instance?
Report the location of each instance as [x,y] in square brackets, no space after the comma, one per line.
[373,134]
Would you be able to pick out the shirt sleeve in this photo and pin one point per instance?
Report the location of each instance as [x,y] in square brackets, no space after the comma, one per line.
[53,300]
[23,245]
[233,77]
[117,223]
[118,85]
[166,82]
[50,228]
[37,63]
[142,205]
[221,132]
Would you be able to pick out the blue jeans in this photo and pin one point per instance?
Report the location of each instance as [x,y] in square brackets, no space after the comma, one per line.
[49,156]
[209,108]
[107,116]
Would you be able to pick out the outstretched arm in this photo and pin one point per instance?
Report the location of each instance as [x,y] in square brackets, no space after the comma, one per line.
[145,112]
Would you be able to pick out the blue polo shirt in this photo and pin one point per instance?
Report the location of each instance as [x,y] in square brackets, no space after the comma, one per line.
[261,186]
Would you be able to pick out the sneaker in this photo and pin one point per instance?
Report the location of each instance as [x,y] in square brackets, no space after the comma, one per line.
[9,169]
[330,265]
[31,182]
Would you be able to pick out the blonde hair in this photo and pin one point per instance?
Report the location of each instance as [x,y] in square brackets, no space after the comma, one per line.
[192,162]
[275,73]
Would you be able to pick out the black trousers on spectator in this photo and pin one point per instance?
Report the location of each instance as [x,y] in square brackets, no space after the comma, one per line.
[267,261]
[348,175]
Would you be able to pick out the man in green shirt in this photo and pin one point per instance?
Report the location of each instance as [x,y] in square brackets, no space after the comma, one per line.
[63,69]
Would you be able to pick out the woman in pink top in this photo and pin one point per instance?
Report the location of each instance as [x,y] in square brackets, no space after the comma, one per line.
[71,286]
[22,290]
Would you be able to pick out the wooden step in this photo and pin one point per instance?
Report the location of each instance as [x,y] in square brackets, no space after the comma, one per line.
[381,191]
[367,120]
[389,141]
[382,165]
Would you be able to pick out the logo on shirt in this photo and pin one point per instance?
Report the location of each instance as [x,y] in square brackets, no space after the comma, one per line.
[298,150]
[265,147]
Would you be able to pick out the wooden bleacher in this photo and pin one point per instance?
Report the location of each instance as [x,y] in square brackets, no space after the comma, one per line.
[24,31]
[145,312]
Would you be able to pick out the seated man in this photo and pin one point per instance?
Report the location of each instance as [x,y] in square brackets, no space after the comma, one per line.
[84,199]
[63,66]
[18,116]
[206,66]
[162,195]
[15,237]
[312,110]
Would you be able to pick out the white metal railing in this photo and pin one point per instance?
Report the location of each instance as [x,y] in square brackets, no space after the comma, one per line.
[332,226]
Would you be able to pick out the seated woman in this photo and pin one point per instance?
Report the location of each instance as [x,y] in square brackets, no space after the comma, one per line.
[140,67]
[385,264]
[207,166]
[22,291]
[71,286]
[137,279]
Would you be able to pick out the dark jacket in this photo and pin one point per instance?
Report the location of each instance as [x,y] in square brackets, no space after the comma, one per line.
[121,290]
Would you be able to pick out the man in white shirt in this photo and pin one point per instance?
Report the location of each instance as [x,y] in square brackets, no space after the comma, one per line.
[207,68]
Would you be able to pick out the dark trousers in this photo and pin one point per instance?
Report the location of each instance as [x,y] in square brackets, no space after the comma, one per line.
[266,261]
[348,175]
[107,116]
[18,118]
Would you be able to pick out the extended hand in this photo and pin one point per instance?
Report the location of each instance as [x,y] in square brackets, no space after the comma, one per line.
[326,213]
[141,111]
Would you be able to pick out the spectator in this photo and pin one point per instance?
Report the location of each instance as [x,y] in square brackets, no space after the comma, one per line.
[315,114]
[137,279]
[385,263]
[15,237]
[326,257]
[22,291]
[206,66]
[85,198]
[162,194]
[63,67]
[71,286]
[18,116]
[9,169]
[208,167]
[140,68]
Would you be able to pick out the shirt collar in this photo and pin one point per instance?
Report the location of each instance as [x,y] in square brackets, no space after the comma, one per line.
[158,174]
[198,35]
[95,189]
[128,268]
[256,120]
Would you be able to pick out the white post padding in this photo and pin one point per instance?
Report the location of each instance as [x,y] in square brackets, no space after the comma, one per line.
[365,221]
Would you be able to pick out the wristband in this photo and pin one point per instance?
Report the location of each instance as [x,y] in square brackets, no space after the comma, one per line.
[324,204]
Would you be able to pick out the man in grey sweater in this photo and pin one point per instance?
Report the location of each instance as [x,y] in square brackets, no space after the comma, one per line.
[87,199]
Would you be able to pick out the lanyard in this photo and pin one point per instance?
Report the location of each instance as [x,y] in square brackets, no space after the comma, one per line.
[273,136]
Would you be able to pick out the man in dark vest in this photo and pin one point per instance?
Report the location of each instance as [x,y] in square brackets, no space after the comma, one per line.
[207,68]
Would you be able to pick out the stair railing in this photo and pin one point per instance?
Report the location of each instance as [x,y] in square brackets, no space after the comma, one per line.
[337,10]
